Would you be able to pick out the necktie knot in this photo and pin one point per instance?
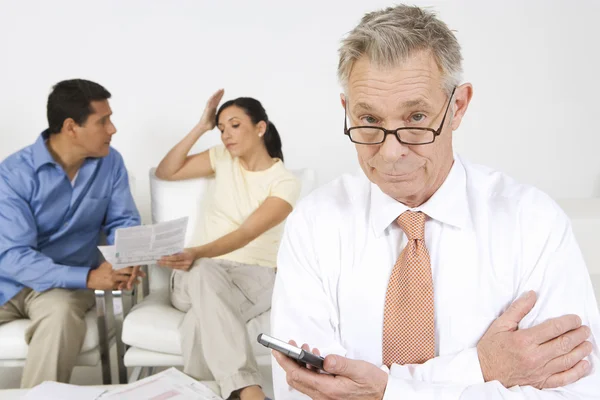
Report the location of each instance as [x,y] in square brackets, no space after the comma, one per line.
[413,224]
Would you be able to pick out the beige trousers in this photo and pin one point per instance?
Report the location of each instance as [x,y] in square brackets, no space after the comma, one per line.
[56,332]
[219,297]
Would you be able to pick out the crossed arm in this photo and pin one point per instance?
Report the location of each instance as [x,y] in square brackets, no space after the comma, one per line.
[530,352]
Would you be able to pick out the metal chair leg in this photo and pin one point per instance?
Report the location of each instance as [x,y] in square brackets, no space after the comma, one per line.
[121,306]
[103,336]
[136,374]
[145,282]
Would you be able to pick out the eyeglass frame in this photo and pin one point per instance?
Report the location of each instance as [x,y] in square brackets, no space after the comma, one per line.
[436,132]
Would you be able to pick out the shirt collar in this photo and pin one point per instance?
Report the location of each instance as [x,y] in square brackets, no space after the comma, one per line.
[448,205]
[41,155]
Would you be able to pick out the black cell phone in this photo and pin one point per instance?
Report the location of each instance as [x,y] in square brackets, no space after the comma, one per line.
[302,356]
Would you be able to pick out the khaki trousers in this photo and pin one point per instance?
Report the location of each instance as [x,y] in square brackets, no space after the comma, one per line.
[219,297]
[56,332]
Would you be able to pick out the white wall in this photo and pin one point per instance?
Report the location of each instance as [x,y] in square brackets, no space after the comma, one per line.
[535,113]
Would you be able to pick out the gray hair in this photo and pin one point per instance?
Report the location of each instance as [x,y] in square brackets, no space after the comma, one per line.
[389,37]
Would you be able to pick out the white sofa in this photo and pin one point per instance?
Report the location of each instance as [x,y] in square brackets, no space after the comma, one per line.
[151,328]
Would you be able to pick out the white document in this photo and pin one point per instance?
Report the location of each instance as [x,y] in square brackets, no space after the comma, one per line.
[171,384]
[61,391]
[110,254]
[147,243]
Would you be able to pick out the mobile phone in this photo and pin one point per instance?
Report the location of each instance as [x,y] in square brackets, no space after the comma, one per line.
[302,356]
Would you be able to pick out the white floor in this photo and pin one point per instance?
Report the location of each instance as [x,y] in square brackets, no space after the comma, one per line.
[10,378]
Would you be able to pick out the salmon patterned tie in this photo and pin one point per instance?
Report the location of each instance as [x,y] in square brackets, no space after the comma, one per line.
[408,324]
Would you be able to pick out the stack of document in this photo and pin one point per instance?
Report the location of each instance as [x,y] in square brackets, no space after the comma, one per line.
[171,384]
[61,391]
[146,244]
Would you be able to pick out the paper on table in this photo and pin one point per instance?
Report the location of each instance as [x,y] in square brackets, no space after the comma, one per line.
[61,391]
[171,384]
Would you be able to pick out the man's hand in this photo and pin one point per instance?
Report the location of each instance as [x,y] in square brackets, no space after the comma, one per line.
[133,280]
[350,379]
[105,278]
[183,260]
[548,355]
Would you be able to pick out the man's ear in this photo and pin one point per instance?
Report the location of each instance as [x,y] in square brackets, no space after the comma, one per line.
[343,100]
[69,127]
[462,98]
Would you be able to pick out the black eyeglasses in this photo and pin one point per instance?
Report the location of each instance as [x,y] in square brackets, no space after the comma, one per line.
[406,135]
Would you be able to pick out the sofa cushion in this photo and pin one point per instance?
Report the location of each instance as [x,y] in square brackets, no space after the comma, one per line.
[136,357]
[154,325]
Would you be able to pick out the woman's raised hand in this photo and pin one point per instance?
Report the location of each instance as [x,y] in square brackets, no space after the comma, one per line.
[207,121]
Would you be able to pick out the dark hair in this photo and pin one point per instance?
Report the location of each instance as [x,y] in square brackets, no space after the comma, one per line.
[257,113]
[72,99]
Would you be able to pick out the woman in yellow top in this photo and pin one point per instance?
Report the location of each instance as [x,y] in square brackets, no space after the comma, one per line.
[228,280]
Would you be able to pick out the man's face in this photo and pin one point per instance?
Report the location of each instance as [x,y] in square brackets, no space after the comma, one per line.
[407,95]
[94,136]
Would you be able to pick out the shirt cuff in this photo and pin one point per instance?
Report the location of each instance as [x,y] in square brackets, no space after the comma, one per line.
[461,368]
[470,368]
[75,277]
[416,390]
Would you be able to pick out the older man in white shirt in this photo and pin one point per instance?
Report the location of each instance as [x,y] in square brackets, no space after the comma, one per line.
[426,276]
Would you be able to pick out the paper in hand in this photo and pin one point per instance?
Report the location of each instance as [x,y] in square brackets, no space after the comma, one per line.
[147,243]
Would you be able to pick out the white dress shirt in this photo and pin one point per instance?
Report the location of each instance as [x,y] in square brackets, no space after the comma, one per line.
[490,240]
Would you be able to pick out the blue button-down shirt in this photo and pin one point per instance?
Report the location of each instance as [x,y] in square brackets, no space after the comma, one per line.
[49,229]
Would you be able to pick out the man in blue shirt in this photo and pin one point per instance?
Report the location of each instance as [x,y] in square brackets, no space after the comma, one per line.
[56,197]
